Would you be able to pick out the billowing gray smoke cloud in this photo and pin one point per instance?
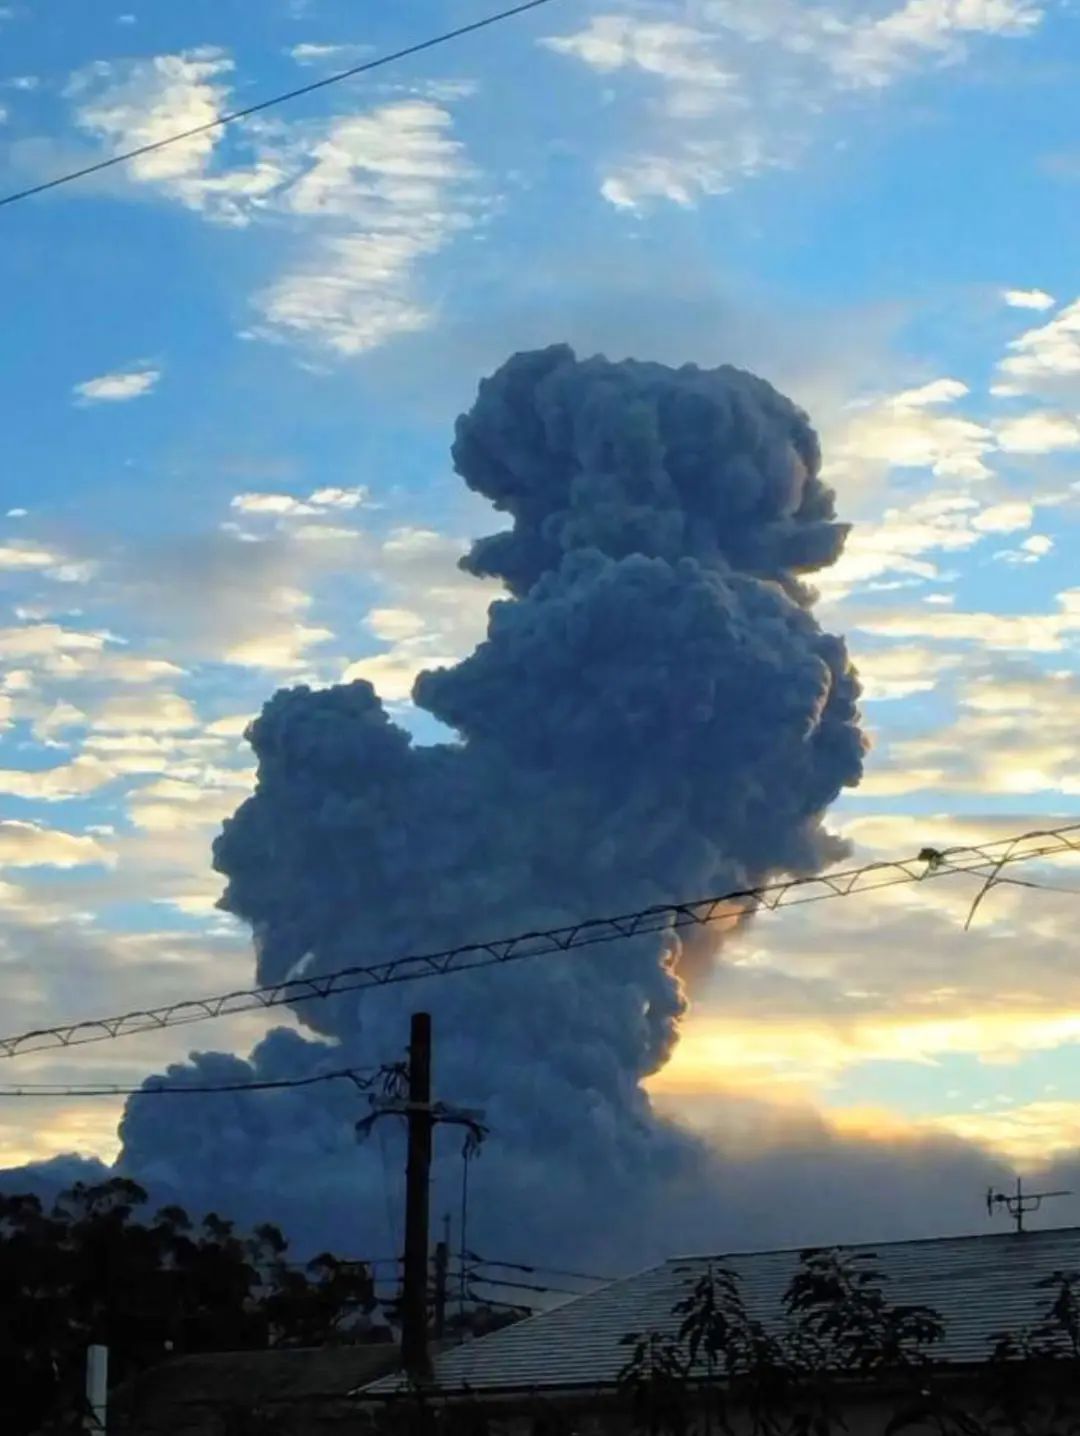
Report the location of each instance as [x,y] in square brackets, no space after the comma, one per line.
[655,714]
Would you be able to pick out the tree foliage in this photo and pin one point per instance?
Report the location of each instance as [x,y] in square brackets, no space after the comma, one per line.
[97,1267]
[720,1371]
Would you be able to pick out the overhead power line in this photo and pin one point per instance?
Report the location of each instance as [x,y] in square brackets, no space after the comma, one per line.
[231,116]
[363,1078]
[475,1277]
[986,860]
[538,1270]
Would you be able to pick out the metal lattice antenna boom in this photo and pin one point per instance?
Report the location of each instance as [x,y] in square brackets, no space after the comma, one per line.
[986,860]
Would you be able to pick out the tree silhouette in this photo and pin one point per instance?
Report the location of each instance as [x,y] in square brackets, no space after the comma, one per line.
[96,1268]
[837,1334]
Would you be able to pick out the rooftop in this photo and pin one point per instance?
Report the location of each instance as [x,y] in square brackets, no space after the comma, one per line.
[979,1285]
[188,1395]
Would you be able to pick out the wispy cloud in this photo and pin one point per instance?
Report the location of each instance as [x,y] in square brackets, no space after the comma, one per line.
[368,196]
[117,387]
[387,189]
[331,56]
[720,90]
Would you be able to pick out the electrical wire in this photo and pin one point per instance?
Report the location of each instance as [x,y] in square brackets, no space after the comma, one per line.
[475,1276]
[230,117]
[994,877]
[540,1270]
[928,865]
[1038,887]
[363,1078]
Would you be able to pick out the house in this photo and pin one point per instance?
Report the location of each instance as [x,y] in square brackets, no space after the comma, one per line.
[294,1392]
[565,1363]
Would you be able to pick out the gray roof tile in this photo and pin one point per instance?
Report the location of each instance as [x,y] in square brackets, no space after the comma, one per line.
[979,1285]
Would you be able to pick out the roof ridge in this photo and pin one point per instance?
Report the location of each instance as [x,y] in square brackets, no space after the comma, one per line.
[863,1246]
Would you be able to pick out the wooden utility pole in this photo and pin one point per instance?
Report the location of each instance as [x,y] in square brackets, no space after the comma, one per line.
[414,1352]
[421,1116]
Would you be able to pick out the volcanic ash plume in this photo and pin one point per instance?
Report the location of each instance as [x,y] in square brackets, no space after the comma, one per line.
[654,715]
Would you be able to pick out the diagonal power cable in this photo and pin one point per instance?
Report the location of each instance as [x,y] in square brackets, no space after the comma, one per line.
[363,1079]
[231,116]
[981,860]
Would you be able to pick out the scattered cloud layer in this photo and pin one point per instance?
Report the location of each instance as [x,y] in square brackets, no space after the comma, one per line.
[29,845]
[717,91]
[364,198]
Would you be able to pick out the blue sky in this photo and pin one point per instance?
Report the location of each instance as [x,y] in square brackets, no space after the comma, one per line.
[232,373]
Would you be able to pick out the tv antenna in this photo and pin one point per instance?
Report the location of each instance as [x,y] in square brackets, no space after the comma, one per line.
[1019,1203]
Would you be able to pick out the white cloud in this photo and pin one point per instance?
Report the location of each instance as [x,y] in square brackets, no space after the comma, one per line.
[434,614]
[233,725]
[49,641]
[84,774]
[210,597]
[720,90]
[1039,433]
[130,103]
[1020,632]
[371,195]
[900,670]
[937,391]
[149,711]
[1045,355]
[25,845]
[129,668]
[1028,299]
[1030,1134]
[289,506]
[876,51]
[1014,734]
[395,624]
[284,646]
[903,431]
[1032,550]
[393,674]
[333,498]
[117,387]
[386,188]
[168,805]
[276,504]
[146,101]
[25,556]
[903,542]
[679,54]
[1004,518]
[60,718]
[312,53]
